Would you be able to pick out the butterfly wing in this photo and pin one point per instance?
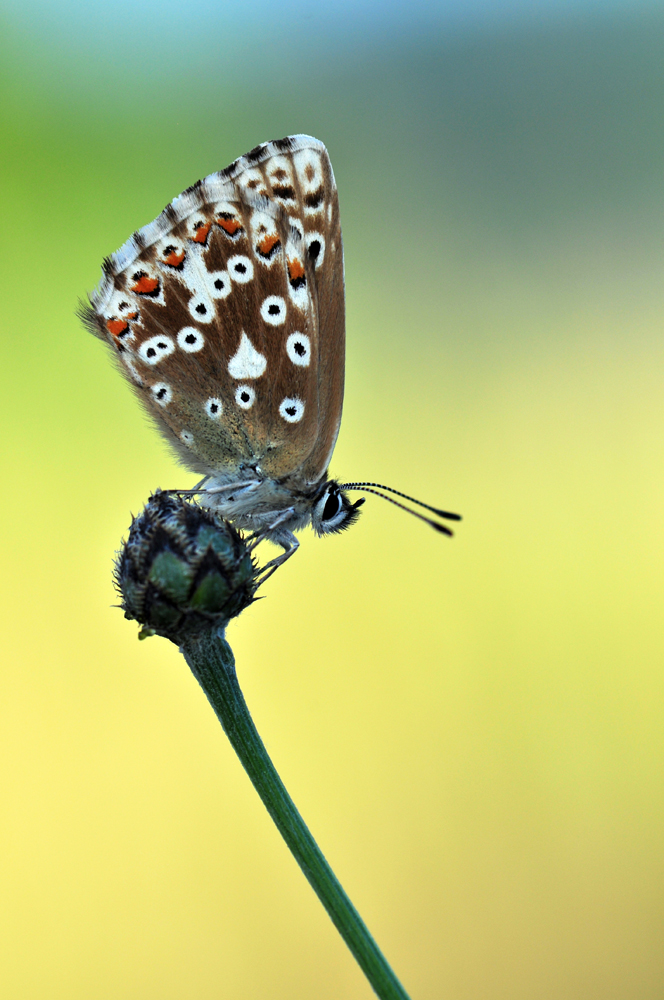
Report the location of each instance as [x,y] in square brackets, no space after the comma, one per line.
[319,208]
[227,315]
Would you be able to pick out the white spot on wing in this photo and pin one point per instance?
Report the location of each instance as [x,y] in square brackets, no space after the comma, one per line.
[162,393]
[219,284]
[298,348]
[291,409]
[240,268]
[273,310]
[246,362]
[245,397]
[201,308]
[214,408]
[187,438]
[190,339]
[155,349]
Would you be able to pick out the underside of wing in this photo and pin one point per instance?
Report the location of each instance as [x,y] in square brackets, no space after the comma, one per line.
[227,315]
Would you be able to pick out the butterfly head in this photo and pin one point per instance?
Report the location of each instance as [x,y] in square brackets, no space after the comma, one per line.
[332,510]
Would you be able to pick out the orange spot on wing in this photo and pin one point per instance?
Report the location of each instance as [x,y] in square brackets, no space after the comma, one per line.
[145,285]
[132,315]
[116,326]
[267,245]
[202,232]
[174,258]
[229,226]
[295,269]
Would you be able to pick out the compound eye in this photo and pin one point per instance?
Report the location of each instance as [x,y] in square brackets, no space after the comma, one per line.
[332,507]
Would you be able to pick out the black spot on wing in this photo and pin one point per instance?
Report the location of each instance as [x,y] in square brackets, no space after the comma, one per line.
[314,198]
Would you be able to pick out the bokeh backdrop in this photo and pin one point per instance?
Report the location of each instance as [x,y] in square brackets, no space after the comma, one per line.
[472,727]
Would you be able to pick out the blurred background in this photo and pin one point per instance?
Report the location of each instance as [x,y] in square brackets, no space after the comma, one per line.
[471,727]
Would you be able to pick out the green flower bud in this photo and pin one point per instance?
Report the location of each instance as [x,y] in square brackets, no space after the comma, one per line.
[182,570]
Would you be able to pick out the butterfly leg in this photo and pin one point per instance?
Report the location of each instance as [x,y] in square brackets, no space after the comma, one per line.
[243,484]
[258,536]
[290,545]
[268,569]
[202,490]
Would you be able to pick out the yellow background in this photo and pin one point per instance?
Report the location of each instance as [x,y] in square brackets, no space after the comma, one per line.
[472,728]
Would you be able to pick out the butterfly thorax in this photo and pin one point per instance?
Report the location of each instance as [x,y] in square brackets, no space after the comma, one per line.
[277,508]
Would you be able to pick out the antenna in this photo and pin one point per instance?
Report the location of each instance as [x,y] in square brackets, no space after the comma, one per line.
[374,487]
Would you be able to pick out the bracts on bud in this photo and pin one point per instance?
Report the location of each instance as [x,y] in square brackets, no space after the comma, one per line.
[182,570]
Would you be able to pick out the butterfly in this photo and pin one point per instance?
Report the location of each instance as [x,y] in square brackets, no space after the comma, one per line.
[227,316]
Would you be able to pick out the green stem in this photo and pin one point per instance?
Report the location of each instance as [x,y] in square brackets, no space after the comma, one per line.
[212,663]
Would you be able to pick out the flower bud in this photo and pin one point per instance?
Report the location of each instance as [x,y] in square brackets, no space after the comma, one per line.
[183,570]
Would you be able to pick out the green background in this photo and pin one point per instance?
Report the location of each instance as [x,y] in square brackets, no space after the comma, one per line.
[472,728]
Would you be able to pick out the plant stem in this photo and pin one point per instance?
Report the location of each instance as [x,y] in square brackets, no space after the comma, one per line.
[212,663]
